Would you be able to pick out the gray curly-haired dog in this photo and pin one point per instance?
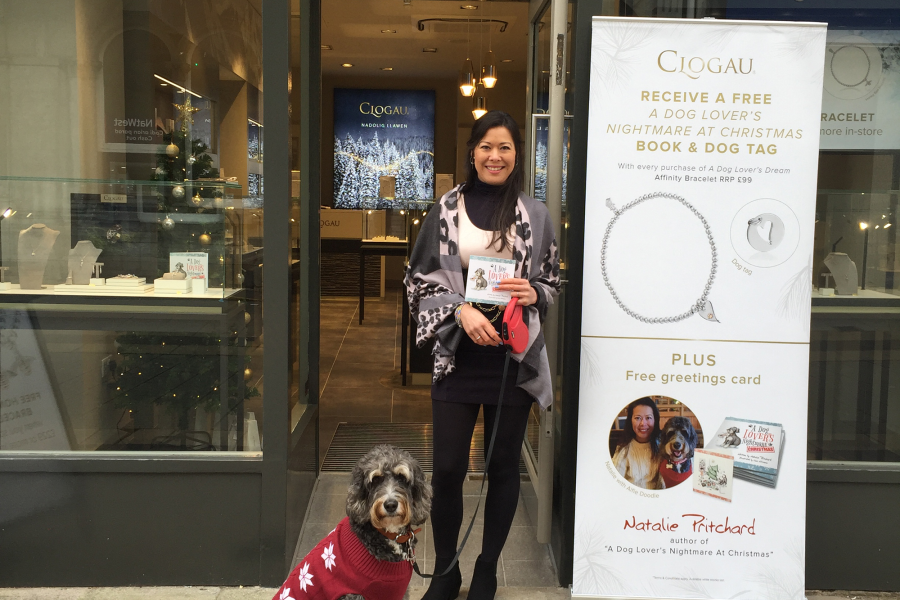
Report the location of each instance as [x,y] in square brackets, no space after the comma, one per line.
[369,555]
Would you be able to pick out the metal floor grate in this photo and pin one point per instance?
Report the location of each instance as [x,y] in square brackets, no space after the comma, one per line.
[352,440]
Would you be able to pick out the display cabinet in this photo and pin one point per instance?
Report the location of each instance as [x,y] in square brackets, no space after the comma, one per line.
[126,316]
[392,223]
[113,238]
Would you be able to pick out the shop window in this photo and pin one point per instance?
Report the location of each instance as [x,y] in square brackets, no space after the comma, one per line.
[130,301]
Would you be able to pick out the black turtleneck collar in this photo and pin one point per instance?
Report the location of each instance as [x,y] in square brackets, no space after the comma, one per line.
[486,190]
[481,201]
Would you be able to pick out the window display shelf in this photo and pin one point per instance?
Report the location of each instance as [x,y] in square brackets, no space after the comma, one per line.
[81,237]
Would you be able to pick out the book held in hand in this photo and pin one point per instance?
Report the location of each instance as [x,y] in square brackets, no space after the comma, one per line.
[486,272]
[756,447]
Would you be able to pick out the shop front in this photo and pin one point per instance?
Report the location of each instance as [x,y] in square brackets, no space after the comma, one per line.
[171,216]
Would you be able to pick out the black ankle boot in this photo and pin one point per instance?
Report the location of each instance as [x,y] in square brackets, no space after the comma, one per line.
[484,581]
[444,587]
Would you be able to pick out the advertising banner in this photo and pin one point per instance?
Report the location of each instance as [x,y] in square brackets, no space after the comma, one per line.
[700,206]
[383,133]
[860,91]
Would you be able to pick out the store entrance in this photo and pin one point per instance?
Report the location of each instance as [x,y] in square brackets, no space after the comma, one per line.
[394,128]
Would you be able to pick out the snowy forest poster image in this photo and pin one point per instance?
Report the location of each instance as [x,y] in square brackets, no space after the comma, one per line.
[383,132]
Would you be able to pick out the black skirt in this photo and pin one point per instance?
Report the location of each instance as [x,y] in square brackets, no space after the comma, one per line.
[476,379]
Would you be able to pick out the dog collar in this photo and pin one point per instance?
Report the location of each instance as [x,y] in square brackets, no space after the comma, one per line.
[396,537]
[677,462]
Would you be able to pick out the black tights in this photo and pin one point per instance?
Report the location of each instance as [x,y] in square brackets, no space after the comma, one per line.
[453,426]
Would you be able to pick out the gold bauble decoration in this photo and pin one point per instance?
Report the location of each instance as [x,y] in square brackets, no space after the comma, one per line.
[247,374]
[172,150]
[196,200]
[205,239]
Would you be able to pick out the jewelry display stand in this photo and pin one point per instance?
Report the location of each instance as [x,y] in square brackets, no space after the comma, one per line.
[81,261]
[96,280]
[846,277]
[35,245]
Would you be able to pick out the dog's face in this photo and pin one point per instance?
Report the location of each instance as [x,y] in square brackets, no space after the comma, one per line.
[388,490]
[679,439]
[479,272]
[732,430]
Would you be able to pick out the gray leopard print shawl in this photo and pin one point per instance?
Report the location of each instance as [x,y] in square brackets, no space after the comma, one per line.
[435,287]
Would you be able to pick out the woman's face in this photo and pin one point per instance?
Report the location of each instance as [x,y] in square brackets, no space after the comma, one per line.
[495,156]
[642,423]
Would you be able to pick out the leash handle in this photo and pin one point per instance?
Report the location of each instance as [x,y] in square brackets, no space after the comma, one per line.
[487,461]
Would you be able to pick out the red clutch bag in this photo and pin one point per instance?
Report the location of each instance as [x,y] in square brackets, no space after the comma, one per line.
[513,330]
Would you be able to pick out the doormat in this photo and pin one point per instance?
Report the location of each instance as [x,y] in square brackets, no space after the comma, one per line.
[352,440]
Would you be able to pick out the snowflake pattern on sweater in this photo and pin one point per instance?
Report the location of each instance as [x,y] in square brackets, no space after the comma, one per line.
[341,565]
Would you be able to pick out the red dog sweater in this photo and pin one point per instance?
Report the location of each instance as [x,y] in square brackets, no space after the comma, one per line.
[341,565]
[671,476]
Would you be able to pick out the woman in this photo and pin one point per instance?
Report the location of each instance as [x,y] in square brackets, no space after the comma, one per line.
[488,215]
[637,457]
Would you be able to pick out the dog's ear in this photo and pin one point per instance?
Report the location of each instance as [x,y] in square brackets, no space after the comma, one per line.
[358,496]
[421,493]
[695,439]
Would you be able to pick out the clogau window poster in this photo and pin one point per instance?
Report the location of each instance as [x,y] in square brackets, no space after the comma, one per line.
[383,133]
[860,89]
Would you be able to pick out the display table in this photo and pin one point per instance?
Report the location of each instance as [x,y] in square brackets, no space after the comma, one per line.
[375,248]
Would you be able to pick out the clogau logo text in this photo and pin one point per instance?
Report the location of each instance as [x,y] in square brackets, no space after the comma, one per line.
[367,108]
[693,66]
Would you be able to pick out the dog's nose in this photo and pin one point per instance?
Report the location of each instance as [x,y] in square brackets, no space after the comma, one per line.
[390,505]
[677,445]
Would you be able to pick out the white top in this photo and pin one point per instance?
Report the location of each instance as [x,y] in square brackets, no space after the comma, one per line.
[635,463]
[473,240]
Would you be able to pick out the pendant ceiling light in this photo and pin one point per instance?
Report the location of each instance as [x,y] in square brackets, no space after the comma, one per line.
[479,108]
[489,67]
[489,70]
[467,80]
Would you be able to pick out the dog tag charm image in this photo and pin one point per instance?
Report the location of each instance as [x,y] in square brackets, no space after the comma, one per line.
[765,232]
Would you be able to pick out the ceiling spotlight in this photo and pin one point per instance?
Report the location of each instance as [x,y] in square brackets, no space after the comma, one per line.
[388,31]
[506,60]
[327,47]
[863,225]
[429,49]
[346,65]
[387,68]
[469,7]
[6,213]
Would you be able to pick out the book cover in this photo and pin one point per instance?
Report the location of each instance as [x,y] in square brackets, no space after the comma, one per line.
[484,273]
[755,445]
[194,264]
[713,474]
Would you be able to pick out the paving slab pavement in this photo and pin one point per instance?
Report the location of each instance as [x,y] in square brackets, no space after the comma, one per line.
[258,593]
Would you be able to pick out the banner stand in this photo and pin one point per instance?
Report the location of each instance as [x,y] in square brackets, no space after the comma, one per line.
[700,209]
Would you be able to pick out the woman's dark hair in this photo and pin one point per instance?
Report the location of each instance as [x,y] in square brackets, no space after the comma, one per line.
[505,214]
[629,427]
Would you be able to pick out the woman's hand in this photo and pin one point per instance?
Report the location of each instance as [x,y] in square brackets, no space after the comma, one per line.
[521,290]
[478,327]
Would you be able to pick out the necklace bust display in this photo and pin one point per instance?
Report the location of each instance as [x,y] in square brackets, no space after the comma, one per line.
[35,245]
[846,276]
[81,261]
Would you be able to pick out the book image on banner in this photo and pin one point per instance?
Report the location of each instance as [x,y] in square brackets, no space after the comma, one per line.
[485,273]
[700,211]
[756,447]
